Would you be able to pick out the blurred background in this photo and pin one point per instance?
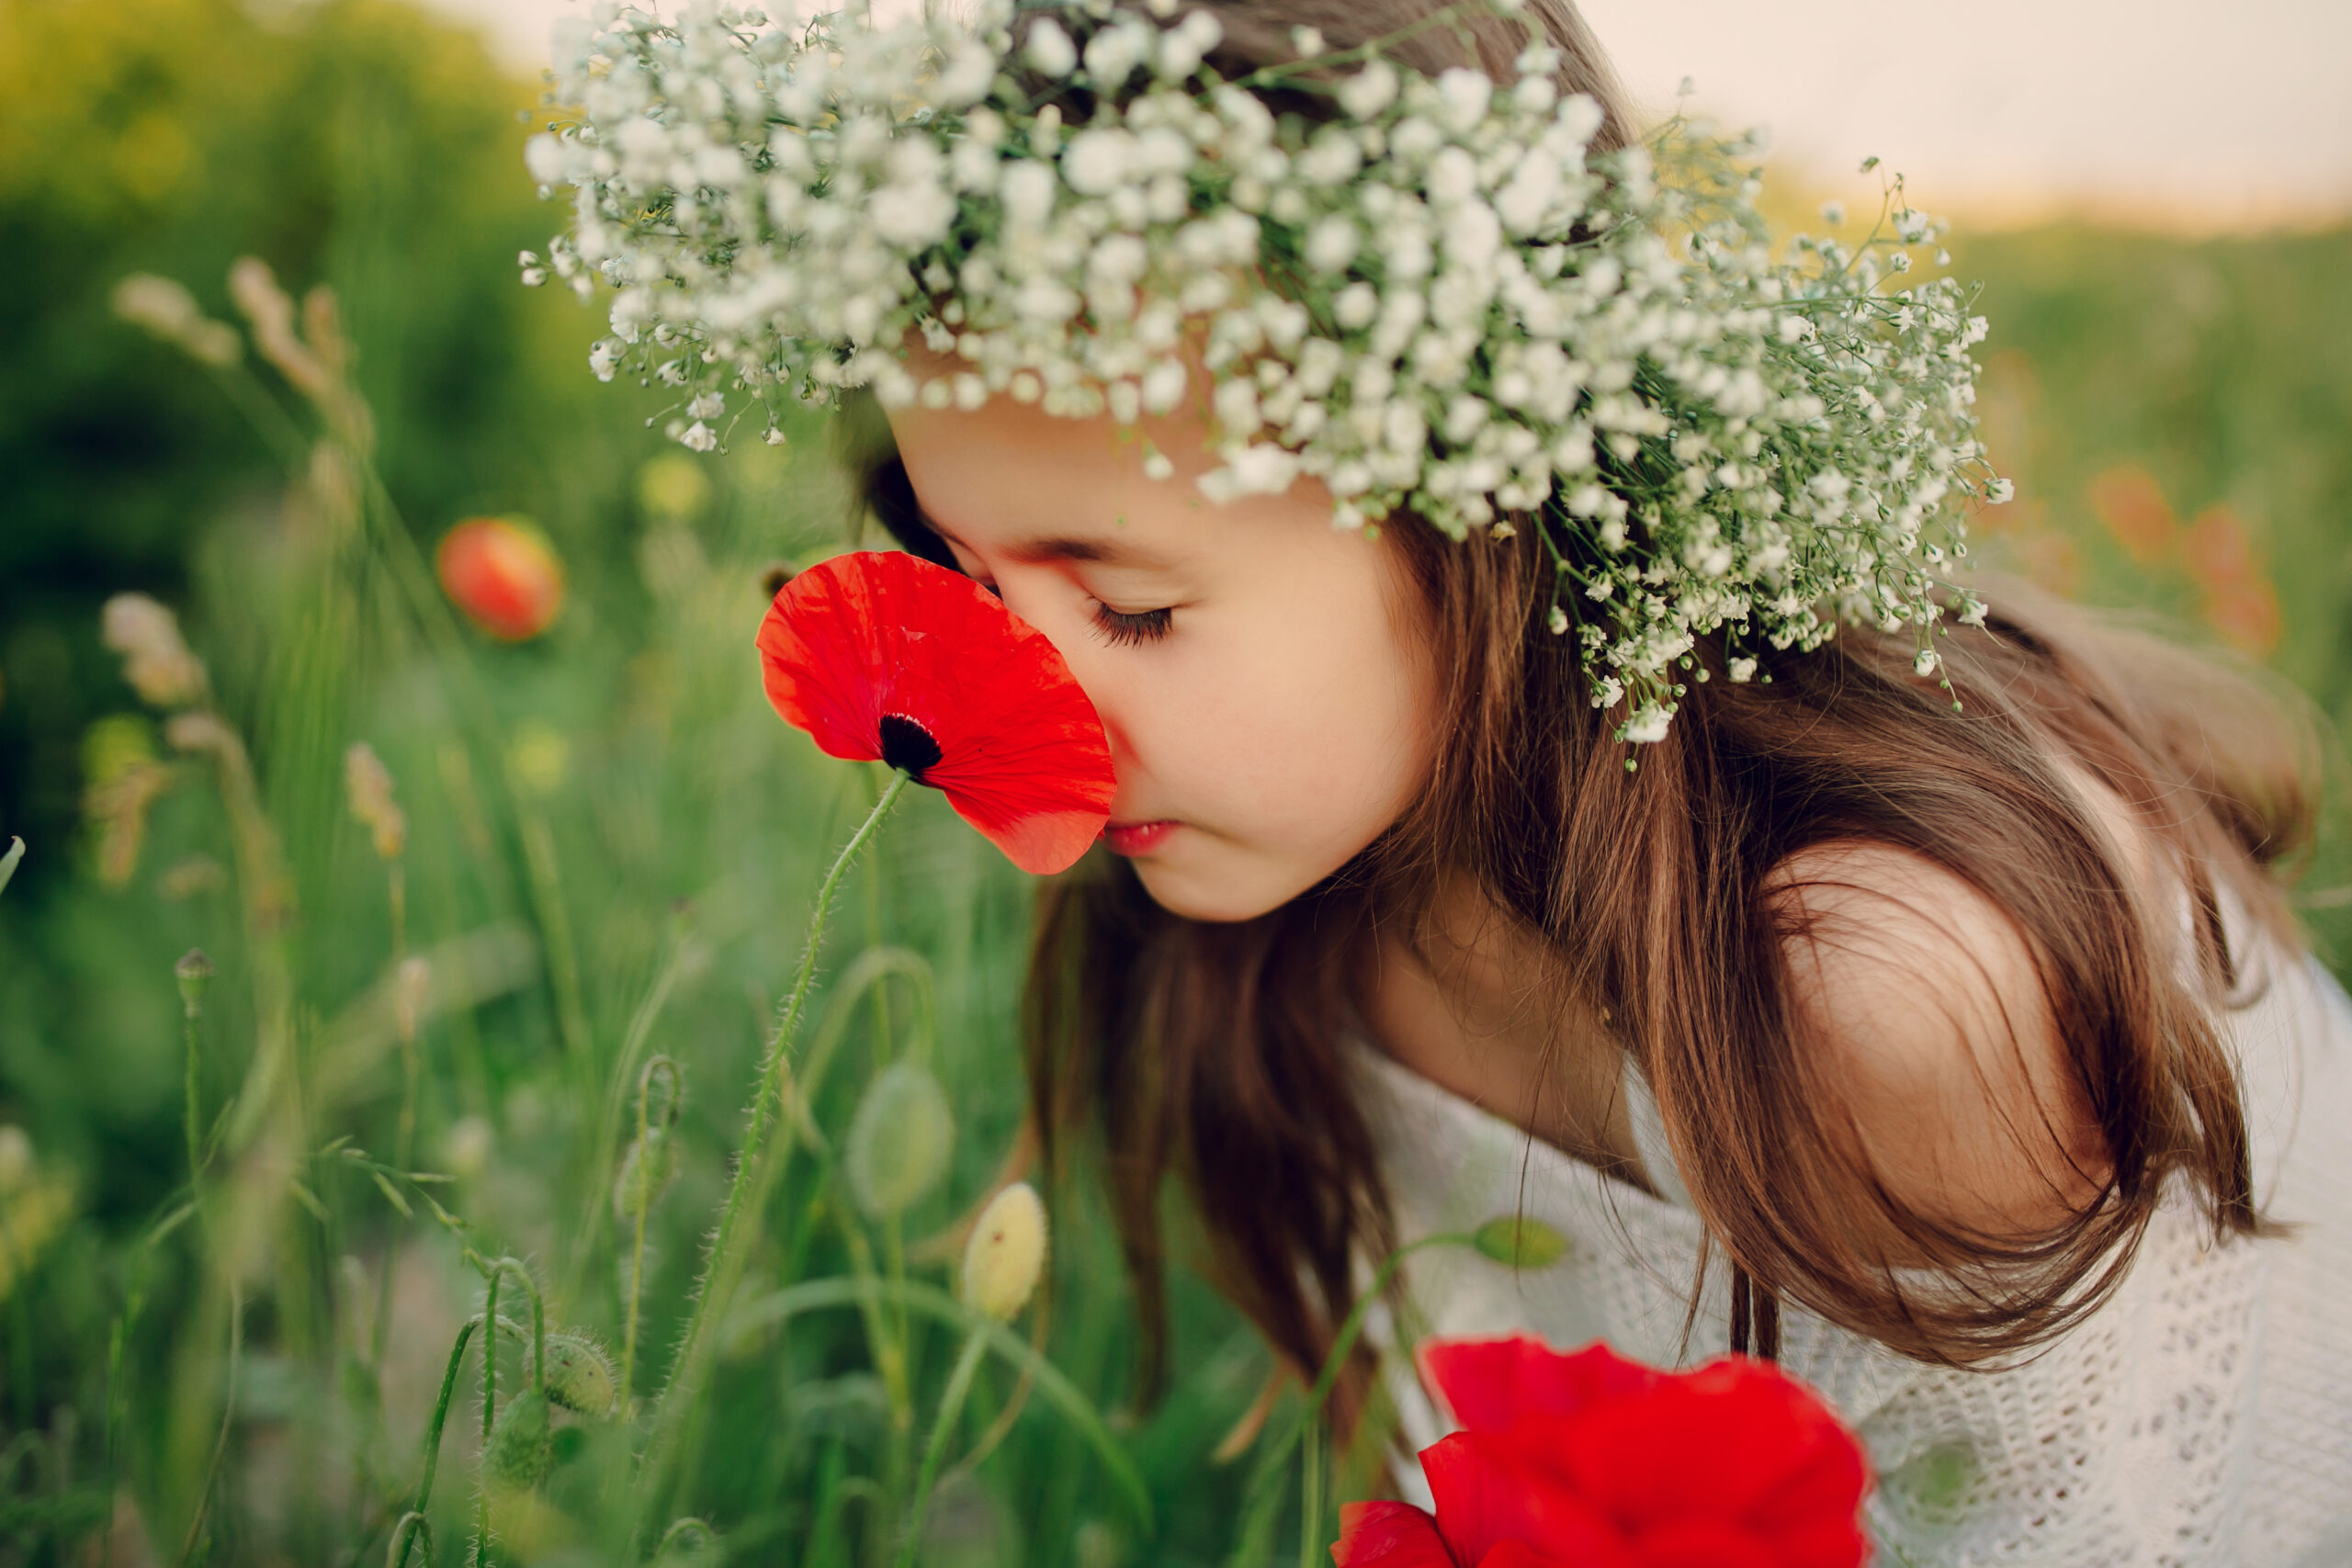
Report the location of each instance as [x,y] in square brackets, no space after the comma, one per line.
[611,842]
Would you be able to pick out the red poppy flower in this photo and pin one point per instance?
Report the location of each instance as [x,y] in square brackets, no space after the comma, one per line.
[504,574]
[1589,1460]
[880,656]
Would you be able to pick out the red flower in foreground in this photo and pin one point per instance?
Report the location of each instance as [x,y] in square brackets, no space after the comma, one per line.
[1589,1460]
[880,656]
[504,574]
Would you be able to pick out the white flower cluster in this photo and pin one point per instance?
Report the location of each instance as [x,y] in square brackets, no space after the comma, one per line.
[1425,295]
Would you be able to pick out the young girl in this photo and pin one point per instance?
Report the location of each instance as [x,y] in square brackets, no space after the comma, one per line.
[1968,1063]
[1919,1009]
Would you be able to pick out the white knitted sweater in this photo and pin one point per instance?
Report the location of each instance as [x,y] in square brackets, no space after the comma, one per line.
[2202,1419]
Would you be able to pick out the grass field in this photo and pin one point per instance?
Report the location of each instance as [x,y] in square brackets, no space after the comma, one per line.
[227,1299]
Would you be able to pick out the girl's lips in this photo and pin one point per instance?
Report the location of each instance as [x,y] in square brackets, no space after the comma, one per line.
[1138,838]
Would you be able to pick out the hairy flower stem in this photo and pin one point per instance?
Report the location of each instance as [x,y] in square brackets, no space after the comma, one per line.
[411,1523]
[951,1407]
[492,1271]
[643,1205]
[731,1241]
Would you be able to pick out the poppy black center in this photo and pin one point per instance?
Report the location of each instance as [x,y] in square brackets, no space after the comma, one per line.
[908,745]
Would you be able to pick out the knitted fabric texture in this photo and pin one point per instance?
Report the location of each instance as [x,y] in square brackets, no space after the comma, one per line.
[2202,1419]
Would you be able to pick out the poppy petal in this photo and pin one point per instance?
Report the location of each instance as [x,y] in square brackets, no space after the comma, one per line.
[984,708]
[1704,1543]
[1736,1440]
[1489,1384]
[1518,1554]
[1485,1498]
[1389,1534]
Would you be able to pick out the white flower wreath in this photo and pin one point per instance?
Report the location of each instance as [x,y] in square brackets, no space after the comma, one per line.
[1429,297]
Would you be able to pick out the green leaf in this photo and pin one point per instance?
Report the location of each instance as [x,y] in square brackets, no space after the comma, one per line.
[1518,1242]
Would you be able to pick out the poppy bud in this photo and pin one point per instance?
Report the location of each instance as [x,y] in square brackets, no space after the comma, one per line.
[1518,1242]
[521,1450]
[15,1158]
[195,973]
[687,1543]
[646,1173]
[579,1377]
[900,1140]
[504,574]
[1006,1254]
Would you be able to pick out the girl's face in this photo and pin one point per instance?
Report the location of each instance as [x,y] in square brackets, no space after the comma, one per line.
[1259,673]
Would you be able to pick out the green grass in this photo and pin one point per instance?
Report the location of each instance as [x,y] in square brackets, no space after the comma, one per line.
[612,844]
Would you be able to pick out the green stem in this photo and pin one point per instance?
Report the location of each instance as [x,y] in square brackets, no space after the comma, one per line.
[192,1111]
[1310,1495]
[415,1520]
[942,1428]
[731,1241]
[662,1065]
[489,1411]
[228,1416]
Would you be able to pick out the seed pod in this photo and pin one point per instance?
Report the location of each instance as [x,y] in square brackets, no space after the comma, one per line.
[521,1450]
[900,1141]
[1520,1243]
[646,1172]
[1006,1254]
[580,1376]
[195,973]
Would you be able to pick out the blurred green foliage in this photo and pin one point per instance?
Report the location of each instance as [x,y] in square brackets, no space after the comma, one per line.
[611,842]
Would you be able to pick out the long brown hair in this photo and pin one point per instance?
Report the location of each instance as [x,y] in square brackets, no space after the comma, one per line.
[1214,1052]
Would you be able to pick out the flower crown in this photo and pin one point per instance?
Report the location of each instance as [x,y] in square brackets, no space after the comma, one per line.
[1430,295]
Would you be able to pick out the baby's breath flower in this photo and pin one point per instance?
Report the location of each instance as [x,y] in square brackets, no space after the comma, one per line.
[1441,300]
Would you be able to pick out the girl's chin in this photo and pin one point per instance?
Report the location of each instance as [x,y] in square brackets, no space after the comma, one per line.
[1209,888]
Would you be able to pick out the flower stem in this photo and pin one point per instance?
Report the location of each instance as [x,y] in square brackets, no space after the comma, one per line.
[951,1407]
[731,1243]
[406,1532]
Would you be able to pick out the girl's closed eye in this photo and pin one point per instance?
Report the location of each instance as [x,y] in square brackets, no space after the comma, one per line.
[1123,628]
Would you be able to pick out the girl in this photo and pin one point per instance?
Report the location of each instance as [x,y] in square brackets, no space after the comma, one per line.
[1969,1063]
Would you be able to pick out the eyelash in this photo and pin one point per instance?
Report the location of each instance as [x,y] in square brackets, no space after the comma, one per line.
[1123,630]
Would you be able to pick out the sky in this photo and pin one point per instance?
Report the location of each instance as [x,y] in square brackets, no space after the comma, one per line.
[2185,114]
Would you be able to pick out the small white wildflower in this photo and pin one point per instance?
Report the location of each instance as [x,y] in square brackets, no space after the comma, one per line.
[1557,621]
[1833,213]
[1049,49]
[699,437]
[1648,725]
[709,405]
[1370,90]
[1307,41]
[1331,243]
[1740,670]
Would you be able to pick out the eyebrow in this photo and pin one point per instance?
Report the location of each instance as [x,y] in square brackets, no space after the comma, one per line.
[1067,547]
[1101,552]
